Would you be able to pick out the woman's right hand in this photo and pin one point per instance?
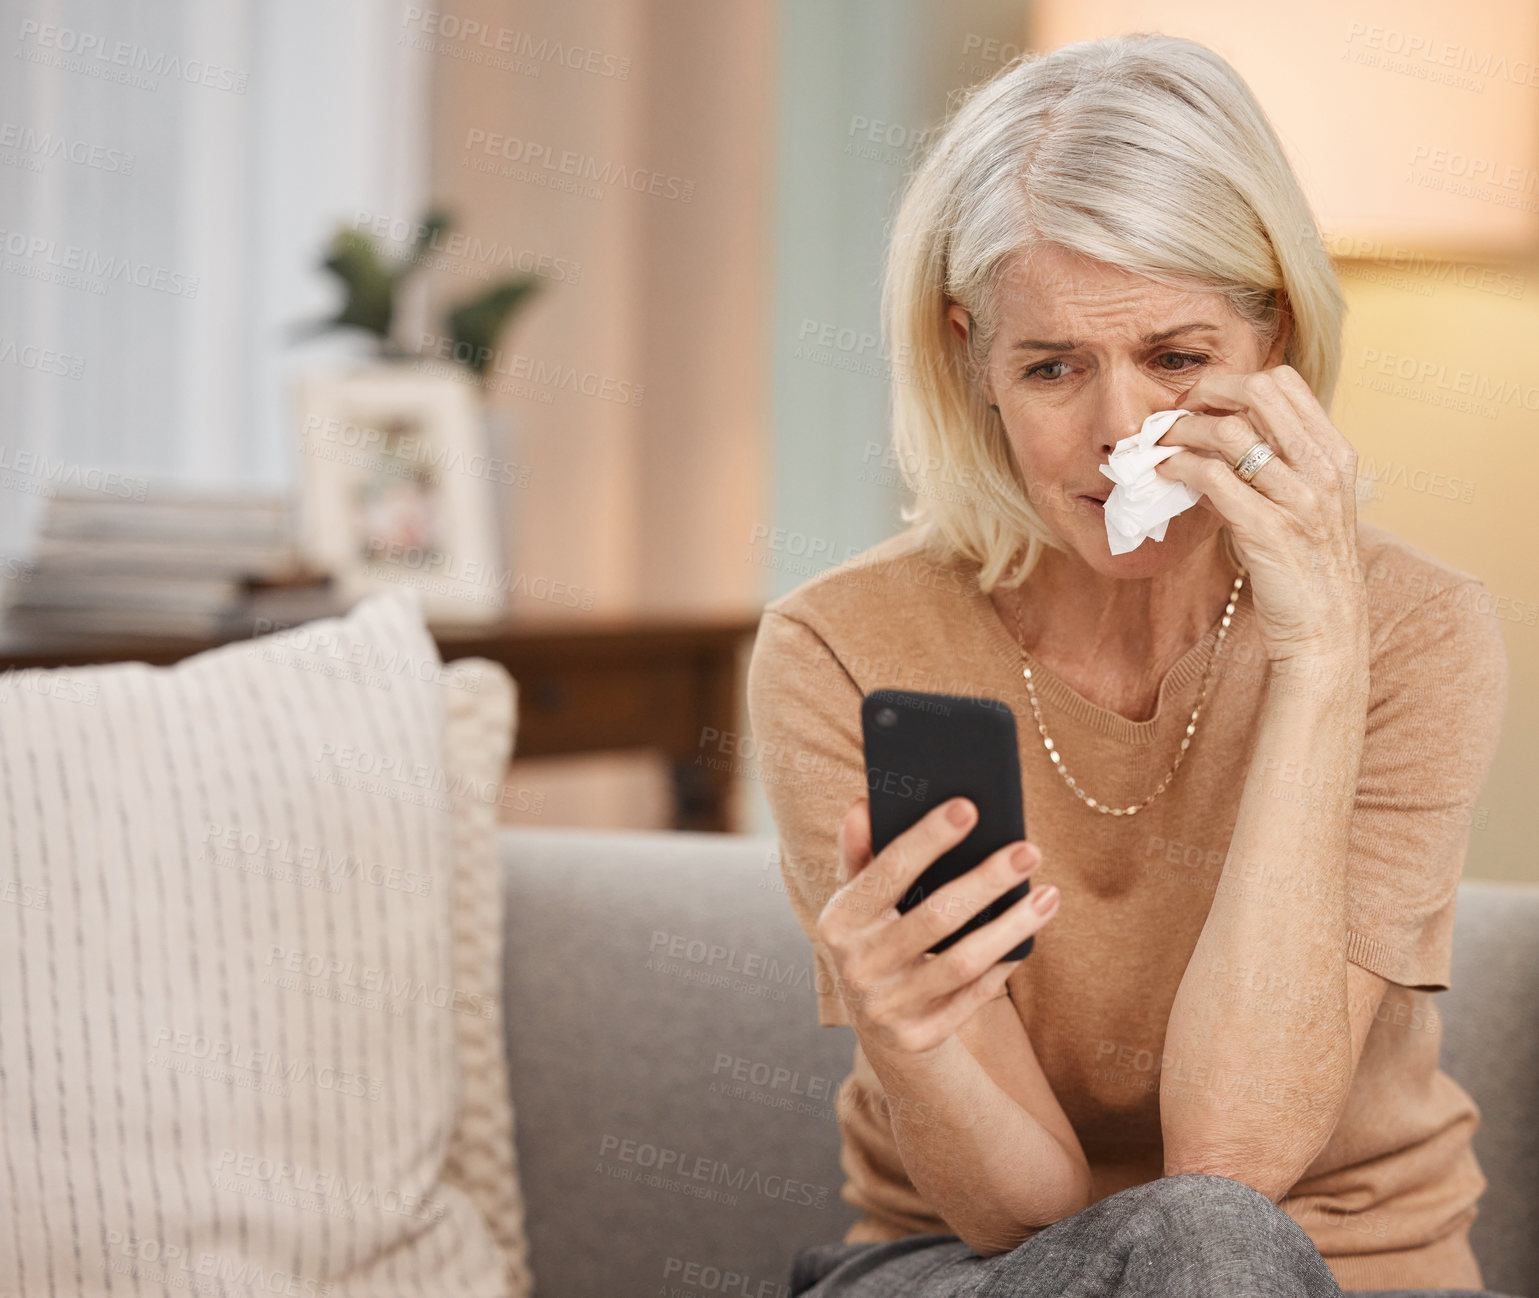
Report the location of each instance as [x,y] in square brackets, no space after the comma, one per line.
[900,997]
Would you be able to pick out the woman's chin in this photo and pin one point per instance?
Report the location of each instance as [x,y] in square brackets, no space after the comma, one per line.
[1183,534]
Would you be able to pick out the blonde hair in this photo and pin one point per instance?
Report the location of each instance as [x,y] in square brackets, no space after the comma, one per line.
[1145,152]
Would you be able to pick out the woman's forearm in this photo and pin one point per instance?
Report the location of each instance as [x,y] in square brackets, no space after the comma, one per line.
[985,1164]
[1257,1055]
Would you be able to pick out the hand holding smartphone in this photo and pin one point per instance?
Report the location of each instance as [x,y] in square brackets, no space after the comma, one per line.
[924,749]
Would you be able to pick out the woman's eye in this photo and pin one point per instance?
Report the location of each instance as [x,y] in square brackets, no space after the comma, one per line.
[1179,357]
[1170,362]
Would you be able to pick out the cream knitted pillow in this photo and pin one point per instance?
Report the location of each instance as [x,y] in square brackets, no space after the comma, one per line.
[249,971]
[479,734]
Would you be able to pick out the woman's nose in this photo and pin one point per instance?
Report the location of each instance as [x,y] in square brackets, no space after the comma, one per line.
[1120,411]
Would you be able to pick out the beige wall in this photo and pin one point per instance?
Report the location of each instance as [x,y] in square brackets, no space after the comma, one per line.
[1385,106]
[645,505]
[1427,458]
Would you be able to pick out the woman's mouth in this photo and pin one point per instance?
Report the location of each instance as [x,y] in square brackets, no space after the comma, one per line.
[1095,504]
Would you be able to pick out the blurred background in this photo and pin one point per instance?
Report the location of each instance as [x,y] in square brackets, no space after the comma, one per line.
[566,315]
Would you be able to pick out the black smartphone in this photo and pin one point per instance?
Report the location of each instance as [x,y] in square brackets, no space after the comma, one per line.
[923,749]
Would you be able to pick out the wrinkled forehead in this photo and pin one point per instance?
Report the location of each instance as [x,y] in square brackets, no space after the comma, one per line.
[1060,294]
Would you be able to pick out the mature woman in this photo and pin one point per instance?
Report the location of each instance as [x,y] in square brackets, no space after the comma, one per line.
[1248,750]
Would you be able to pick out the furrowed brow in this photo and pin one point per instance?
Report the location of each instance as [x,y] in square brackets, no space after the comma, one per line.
[1068,345]
[1192,326]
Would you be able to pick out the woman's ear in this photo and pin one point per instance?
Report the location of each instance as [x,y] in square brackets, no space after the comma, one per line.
[962,325]
[1279,347]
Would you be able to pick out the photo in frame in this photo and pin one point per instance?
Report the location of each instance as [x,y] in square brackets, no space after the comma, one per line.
[397,489]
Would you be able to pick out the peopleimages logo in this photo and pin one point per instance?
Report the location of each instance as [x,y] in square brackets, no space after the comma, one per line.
[46,475]
[48,146]
[538,372]
[244,1058]
[487,254]
[579,166]
[39,257]
[127,61]
[293,1183]
[473,40]
[407,454]
[702,1277]
[44,360]
[1416,48]
[656,1164]
[375,979]
[222,842]
[145,1258]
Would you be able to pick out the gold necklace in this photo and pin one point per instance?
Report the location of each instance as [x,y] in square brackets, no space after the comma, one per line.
[1191,726]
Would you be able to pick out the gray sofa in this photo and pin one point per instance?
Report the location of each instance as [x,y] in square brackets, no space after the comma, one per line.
[674,1095]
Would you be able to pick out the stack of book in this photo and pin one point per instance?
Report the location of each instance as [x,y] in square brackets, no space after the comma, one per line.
[176,564]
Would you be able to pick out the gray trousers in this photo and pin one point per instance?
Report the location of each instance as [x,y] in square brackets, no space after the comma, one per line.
[1193,1236]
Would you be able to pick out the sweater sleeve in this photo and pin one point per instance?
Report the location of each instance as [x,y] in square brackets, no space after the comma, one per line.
[1439,691]
[805,712]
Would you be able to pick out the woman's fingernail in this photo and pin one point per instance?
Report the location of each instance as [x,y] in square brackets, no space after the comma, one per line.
[959,812]
[1022,859]
[1044,898]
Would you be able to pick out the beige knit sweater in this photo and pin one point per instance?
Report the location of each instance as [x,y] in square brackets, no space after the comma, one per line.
[1390,1198]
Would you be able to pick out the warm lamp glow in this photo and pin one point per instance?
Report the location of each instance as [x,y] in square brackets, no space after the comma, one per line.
[1411,124]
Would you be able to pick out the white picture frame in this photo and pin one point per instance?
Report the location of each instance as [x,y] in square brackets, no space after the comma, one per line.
[396,489]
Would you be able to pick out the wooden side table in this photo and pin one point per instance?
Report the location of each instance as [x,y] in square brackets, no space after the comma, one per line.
[625,685]
[585,685]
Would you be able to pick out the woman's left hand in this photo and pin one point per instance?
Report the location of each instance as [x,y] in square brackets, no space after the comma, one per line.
[1295,522]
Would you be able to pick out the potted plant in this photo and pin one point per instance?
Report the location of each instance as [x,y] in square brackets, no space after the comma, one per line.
[404,470]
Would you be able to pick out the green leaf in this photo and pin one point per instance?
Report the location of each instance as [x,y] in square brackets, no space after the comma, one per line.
[475,325]
[367,283]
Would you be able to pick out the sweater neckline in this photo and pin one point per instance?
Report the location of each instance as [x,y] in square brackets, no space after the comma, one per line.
[1053,690]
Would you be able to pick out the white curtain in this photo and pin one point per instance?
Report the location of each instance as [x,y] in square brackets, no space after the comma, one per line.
[211,147]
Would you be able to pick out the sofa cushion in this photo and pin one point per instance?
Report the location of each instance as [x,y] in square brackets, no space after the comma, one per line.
[239,1041]
[675,1092]
[1491,1048]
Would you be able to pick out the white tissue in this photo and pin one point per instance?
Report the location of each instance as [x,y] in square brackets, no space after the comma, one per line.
[1142,502]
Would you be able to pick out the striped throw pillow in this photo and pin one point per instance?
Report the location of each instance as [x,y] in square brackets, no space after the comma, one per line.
[250,924]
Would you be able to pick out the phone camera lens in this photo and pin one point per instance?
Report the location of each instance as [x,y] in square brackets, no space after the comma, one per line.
[886,718]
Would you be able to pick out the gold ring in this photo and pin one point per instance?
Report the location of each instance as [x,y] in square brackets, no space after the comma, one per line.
[1249,464]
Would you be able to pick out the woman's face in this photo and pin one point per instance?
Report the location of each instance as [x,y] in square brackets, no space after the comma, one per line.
[1084,352]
